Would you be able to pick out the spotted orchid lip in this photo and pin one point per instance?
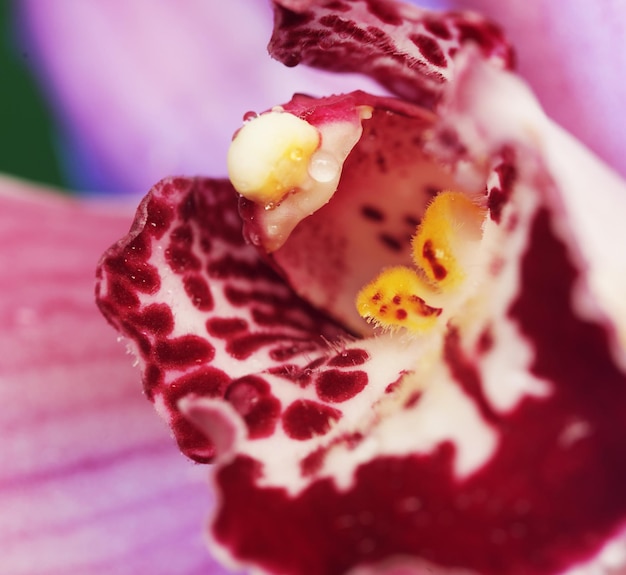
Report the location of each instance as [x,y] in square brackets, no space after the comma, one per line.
[493,443]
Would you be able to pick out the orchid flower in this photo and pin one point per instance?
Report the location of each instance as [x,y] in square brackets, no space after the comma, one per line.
[398,331]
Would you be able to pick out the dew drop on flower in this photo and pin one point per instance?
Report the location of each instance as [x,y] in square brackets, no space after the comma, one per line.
[323,167]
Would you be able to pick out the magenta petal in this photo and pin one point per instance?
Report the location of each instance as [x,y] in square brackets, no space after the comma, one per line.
[89,481]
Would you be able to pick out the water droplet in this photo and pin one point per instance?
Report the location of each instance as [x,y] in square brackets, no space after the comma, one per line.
[323,167]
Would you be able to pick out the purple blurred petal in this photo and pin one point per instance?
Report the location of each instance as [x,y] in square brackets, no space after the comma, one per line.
[90,482]
[572,53]
[154,88]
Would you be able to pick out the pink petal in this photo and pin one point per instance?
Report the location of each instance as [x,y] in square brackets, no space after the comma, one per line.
[571,54]
[89,481]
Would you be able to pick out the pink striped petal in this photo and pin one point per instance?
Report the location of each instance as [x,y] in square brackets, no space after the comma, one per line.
[89,481]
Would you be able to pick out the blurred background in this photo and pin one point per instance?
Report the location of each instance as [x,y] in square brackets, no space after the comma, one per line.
[27,135]
[108,96]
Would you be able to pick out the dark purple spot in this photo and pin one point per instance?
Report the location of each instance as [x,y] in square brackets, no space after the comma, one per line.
[304,419]
[183,351]
[336,386]
[349,358]
[429,48]
[198,292]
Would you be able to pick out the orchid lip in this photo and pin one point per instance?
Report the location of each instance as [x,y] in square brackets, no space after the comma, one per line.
[477,429]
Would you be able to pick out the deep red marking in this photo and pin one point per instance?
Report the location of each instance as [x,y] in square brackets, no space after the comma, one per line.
[538,506]
[152,379]
[187,208]
[290,19]
[465,373]
[121,294]
[207,381]
[313,462]
[183,234]
[294,373]
[392,243]
[438,28]
[139,247]
[183,351]
[143,276]
[159,217]
[495,203]
[304,419]
[428,252]
[386,12]
[397,300]
[275,318]
[413,399]
[198,291]
[144,345]
[429,48]
[226,327]
[285,353]
[349,358]
[156,318]
[252,398]
[337,386]
[338,6]
[372,213]
[485,342]
[181,259]
[231,267]
[244,346]
[401,314]
[191,441]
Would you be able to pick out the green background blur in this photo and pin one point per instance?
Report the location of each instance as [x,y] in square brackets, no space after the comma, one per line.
[27,141]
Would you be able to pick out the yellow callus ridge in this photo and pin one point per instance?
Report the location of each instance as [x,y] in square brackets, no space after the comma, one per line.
[446,238]
[270,155]
[445,250]
[396,298]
